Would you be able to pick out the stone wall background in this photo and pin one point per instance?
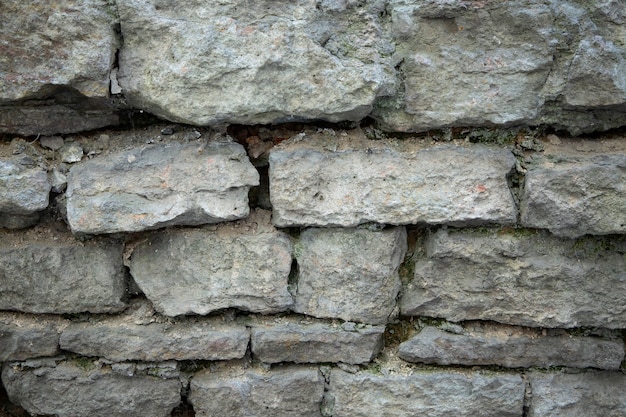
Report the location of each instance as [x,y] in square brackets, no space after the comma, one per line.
[324,208]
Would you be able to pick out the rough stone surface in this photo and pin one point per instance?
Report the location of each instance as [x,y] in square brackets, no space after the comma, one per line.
[573,191]
[58,274]
[311,185]
[283,392]
[24,336]
[24,187]
[350,274]
[243,265]
[520,277]
[67,390]
[160,185]
[428,393]
[261,62]
[590,394]
[142,337]
[314,341]
[484,344]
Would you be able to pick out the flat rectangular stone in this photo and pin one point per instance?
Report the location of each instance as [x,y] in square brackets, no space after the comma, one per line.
[512,347]
[24,187]
[577,188]
[79,388]
[242,265]
[520,277]
[281,392]
[588,394]
[350,274]
[133,337]
[24,336]
[322,181]
[314,341]
[42,271]
[426,393]
[160,185]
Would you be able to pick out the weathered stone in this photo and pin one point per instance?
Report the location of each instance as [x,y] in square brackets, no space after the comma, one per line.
[485,344]
[243,265]
[24,187]
[282,392]
[72,388]
[314,341]
[577,188]
[427,393]
[350,274]
[520,277]
[137,337]
[50,44]
[24,336]
[160,185]
[589,394]
[246,65]
[54,273]
[311,184]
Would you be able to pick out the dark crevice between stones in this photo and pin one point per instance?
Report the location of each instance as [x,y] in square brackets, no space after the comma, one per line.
[292,282]
[184,409]
[528,394]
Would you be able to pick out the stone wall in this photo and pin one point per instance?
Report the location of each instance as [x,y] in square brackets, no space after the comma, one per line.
[330,208]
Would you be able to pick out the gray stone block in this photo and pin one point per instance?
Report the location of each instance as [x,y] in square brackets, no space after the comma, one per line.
[350,274]
[160,185]
[44,272]
[577,188]
[588,394]
[324,182]
[77,388]
[512,347]
[24,336]
[281,392]
[24,187]
[520,277]
[132,337]
[428,393]
[314,341]
[243,265]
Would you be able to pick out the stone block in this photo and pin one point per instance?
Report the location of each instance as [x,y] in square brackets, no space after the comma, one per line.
[282,392]
[314,341]
[324,182]
[160,185]
[211,63]
[24,187]
[512,347]
[46,272]
[23,336]
[588,394]
[521,277]
[428,393]
[77,388]
[577,188]
[350,274]
[243,265]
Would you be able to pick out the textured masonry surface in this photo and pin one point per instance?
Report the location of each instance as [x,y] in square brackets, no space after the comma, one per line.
[183,226]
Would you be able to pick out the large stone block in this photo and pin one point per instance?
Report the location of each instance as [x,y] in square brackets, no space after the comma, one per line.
[23,336]
[283,392]
[314,341]
[329,181]
[350,274]
[589,394]
[160,185]
[513,347]
[244,265]
[521,277]
[577,188]
[241,62]
[77,388]
[133,337]
[24,187]
[428,393]
[46,272]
